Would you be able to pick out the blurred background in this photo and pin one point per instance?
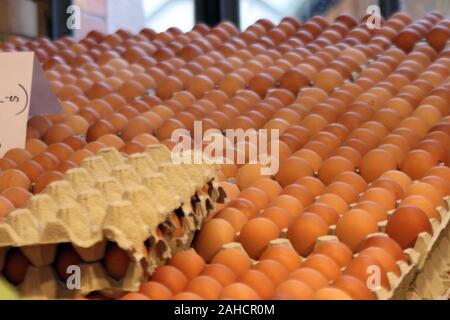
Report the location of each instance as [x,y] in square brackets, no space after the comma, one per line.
[33,18]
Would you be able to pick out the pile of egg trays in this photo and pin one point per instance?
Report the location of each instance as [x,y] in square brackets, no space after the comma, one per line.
[109,198]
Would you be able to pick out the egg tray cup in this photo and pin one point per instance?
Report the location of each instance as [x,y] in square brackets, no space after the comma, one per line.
[110,198]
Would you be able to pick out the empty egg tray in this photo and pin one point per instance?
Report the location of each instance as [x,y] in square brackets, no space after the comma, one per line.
[110,198]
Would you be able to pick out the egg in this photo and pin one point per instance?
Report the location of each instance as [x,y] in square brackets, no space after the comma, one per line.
[280,216]
[375,163]
[336,250]
[58,133]
[13,178]
[66,256]
[332,167]
[381,196]
[256,234]
[271,187]
[353,179]
[354,226]
[288,203]
[235,217]
[235,259]
[292,169]
[363,268]
[220,272]
[16,266]
[416,163]
[333,200]
[426,190]
[155,291]
[189,262]
[206,287]
[325,211]
[405,225]
[6,207]
[248,174]
[438,183]
[213,235]
[259,282]
[324,264]
[304,232]
[294,290]
[17,155]
[32,169]
[18,196]
[239,291]
[170,277]
[384,258]
[299,192]
[354,287]
[284,254]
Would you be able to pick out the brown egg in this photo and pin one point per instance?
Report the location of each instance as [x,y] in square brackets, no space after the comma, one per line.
[353,179]
[292,169]
[248,174]
[380,195]
[6,207]
[288,203]
[375,163]
[336,250]
[314,185]
[213,235]
[245,206]
[58,133]
[13,178]
[399,177]
[354,226]
[16,266]
[299,192]
[305,230]
[405,225]
[386,243]
[60,150]
[256,234]
[314,160]
[18,196]
[271,187]
[384,258]
[45,179]
[332,167]
[426,190]
[343,190]
[325,211]
[324,265]
[362,268]
[416,163]
[422,203]
[354,287]
[17,155]
[438,183]
[374,209]
[35,146]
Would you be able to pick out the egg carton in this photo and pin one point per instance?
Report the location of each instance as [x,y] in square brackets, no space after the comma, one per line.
[110,198]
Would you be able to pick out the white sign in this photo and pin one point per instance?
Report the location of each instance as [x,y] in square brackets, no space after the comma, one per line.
[24,91]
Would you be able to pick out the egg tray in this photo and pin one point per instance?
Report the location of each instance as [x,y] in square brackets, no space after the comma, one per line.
[110,198]
[418,258]
[433,280]
[426,267]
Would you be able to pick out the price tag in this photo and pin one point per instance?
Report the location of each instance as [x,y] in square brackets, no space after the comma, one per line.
[24,92]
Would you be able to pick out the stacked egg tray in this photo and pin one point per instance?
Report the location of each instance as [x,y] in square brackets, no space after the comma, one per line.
[110,198]
[424,274]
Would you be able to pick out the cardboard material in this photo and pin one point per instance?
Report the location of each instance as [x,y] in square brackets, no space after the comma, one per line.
[24,92]
[109,199]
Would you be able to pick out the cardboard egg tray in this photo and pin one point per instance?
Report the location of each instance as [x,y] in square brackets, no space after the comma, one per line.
[110,198]
[433,281]
[425,274]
